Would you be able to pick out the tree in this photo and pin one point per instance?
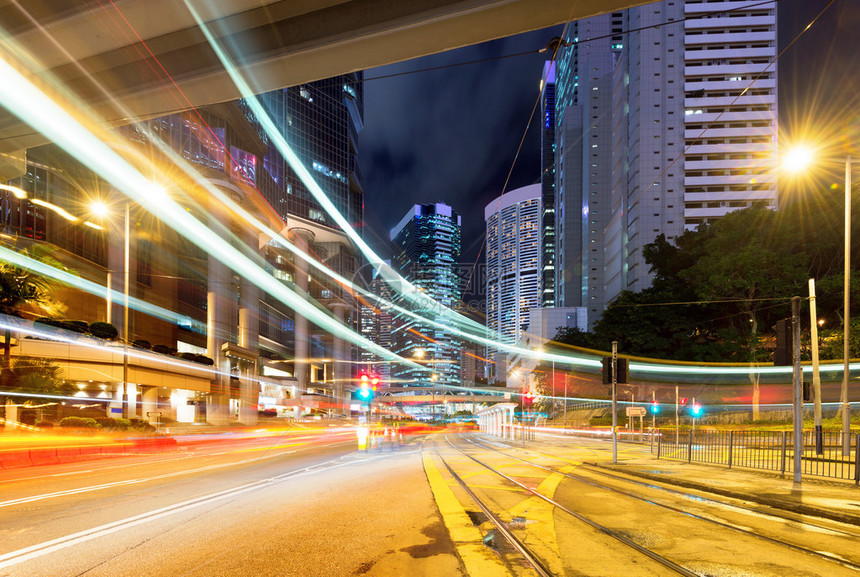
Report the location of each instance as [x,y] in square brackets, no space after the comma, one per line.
[21,287]
[35,378]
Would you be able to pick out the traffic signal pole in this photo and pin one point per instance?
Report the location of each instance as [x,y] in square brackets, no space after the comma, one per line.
[614,403]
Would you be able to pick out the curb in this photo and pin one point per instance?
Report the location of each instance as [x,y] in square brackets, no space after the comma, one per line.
[773,503]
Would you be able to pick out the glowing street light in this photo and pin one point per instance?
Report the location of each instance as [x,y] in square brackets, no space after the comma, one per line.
[796,160]
[100,209]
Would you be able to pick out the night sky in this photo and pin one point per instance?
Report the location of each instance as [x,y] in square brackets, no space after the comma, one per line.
[451,135]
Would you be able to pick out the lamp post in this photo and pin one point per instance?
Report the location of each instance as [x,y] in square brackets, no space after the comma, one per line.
[797,160]
[846,407]
[100,209]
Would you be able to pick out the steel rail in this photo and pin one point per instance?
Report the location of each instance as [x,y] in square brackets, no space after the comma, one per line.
[605,530]
[725,525]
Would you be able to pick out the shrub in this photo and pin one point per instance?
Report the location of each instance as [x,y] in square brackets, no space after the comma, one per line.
[163,349]
[76,326]
[142,344]
[103,330]
[140,425]
[79,423]
[203,360]
[119,424]
[187,356]
[45,425]
[268,413]
[51,322]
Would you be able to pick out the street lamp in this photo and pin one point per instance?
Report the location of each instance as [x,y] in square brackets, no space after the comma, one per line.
[796,161]
[100,209]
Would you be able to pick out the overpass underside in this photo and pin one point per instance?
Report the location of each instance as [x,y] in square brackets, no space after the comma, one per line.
[134,60]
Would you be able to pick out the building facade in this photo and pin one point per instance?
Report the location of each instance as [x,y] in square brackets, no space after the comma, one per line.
[426,246]
[266,354]
[662,124]
[547,184]
[376,323]
[514,268]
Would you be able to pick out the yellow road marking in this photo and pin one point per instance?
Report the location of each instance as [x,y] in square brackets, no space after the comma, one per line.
[478,559]
[540,533]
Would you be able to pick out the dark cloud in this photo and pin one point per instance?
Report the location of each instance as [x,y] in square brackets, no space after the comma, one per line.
[450,135]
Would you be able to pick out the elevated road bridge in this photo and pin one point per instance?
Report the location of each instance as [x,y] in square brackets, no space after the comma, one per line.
[135,60]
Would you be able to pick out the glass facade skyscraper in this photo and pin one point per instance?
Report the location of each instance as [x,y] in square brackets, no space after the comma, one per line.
[514,230]
[426,245]
[666,119]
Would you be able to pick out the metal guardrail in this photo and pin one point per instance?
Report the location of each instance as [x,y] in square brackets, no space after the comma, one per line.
[766,450]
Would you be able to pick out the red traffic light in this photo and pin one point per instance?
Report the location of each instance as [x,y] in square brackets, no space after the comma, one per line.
[683,401]
[529,397]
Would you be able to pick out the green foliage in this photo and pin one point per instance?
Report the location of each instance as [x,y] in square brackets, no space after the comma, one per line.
[38,377]
[79,423]
[142,344]
[103,330]
[140,425]
[110,423]
[718,291]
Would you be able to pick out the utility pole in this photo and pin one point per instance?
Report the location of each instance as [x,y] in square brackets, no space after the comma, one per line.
[798,387]
[677,422]
[614,402]
[816,372]
[653,414]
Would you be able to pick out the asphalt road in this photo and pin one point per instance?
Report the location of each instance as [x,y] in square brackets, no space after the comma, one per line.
[304,504]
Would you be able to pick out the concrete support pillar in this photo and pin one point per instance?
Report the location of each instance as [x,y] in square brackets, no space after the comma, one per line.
[218,331]
[249,392]
[149,402]
[11,414]
[302,238]
[249,338]
[341,368]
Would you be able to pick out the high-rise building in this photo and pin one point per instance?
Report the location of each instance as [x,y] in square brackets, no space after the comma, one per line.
[376,324]
[426,245]
[583,158]
[514,229]
[658,129]
[547,184]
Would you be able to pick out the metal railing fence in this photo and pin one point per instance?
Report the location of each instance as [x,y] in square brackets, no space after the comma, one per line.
[766,450]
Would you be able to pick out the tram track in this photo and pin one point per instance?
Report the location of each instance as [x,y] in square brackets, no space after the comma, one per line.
[782,516]
[720,523]
[524,550]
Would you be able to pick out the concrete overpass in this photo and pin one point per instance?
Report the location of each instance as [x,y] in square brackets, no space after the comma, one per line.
[424,395]
[126,49]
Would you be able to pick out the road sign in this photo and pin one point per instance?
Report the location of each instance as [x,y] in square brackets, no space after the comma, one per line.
[636,411]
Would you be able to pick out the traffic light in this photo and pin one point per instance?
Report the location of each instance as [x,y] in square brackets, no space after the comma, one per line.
[366,389]
[655,407]
[529,398]
[696,410]
[620,365]
[683,402]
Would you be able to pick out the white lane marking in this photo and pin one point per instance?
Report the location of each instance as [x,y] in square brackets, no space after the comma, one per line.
[54,545]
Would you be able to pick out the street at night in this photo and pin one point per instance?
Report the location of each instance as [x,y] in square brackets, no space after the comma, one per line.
[480,288]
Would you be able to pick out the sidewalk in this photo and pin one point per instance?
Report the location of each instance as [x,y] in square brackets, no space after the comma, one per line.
[827,498]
